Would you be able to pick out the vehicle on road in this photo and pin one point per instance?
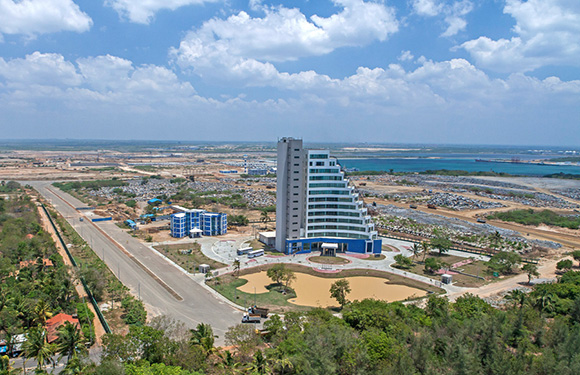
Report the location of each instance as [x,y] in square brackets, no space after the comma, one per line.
[81,219]
[250,318]
[480,220]
[244,250]
[413,206]
[255,310]
[256,253]
[432,206]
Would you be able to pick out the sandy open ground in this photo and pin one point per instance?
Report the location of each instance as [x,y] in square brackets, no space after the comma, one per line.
[315,291]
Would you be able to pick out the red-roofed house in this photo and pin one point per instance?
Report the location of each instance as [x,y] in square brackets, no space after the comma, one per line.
[55,322]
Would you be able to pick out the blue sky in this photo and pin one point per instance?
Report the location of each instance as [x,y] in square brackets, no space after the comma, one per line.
[404,71]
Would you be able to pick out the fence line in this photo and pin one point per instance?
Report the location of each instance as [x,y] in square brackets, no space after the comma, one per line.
[74,263]
[488,252]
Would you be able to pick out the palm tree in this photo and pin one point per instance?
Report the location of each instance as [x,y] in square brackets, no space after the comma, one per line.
[416,249]
[36,346]
[203,336]
[70,341]
[237,267]
[6,368]
[425,246]
[264,218]
[282,364]
[259,364]
[228,362]
[42,312]
[76,366]
[517,297]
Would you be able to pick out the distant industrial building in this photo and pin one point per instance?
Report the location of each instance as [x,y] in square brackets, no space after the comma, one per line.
[194,223]
[316,208]
[258,171]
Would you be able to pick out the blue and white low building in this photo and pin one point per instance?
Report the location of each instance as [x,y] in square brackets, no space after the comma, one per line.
[196,222]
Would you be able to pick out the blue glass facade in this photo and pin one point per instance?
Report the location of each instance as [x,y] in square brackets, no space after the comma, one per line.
[307,245]
[211,223]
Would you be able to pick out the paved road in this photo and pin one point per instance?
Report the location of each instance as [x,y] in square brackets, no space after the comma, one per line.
[163,288]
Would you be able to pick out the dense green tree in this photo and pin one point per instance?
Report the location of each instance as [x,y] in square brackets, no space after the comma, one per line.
[441,243]
[288,277]
[531,270]
[402,261]
[339,290]
[432,265]
[276,273]
[504,262]
[564,265]
[576,255]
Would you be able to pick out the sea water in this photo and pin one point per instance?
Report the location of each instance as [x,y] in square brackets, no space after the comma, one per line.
[465,164]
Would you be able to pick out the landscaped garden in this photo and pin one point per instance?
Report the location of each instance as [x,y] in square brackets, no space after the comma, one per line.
[188,256]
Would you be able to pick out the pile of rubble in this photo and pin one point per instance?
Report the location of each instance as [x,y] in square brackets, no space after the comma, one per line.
[459,202]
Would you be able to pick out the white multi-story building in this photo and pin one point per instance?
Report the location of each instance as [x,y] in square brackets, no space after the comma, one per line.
[316,206]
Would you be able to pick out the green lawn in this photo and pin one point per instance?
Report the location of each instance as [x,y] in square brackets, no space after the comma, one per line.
[274,300]
[328,260]
[188,261]
[474,268]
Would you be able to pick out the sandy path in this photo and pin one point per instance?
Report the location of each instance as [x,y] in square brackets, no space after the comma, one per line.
[546,270]
[315,291]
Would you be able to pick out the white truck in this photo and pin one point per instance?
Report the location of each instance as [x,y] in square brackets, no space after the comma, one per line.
[251,318]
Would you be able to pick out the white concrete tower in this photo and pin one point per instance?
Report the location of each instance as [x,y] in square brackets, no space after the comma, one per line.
[290,191]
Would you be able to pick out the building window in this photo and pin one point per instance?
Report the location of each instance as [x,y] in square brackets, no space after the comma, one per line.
[320,164]
[294,215]
[295,187]
[296,165]
[297,157]
[296,179]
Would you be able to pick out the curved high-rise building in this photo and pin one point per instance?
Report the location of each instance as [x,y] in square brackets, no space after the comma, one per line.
[316,207]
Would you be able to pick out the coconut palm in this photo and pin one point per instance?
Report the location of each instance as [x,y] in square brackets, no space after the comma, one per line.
[70,342]
[425,246]
[264,218]
[259,365]
[203,336]
[36,346]
[416,249]
[282,364]
[516,296]
[237,267]
[42,312]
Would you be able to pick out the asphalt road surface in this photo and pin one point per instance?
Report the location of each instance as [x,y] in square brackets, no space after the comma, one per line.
[163,288]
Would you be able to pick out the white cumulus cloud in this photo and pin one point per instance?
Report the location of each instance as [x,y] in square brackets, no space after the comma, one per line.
[548,33]
[32,17]
[242,47]
[143,11]
[453,13]
[455,97]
